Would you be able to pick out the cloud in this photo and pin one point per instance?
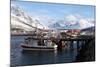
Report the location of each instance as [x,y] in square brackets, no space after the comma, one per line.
[71,18]
[85,23]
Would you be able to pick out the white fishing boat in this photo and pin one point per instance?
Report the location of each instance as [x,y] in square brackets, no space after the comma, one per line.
[32,44]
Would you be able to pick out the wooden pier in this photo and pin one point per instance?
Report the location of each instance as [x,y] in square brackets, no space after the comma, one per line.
[59,41]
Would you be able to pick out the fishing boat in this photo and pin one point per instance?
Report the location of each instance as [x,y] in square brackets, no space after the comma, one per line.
[35,44]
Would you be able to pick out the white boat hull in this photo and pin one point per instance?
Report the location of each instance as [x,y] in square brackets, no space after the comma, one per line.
[28,47]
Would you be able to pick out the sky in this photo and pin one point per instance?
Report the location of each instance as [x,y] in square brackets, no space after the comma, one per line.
[52,12]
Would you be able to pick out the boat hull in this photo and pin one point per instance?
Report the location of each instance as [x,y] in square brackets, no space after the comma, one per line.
[47,48]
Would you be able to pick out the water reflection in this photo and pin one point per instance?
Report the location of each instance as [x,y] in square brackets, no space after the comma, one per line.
[19,57]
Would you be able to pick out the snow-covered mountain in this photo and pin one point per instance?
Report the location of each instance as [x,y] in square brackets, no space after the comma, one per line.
[91,29]
[72,23]
[20,19]
[64,25]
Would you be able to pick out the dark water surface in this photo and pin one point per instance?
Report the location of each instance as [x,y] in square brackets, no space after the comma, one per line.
[19,58]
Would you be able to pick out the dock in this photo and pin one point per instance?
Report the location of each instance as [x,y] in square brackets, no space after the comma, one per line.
[59,41]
